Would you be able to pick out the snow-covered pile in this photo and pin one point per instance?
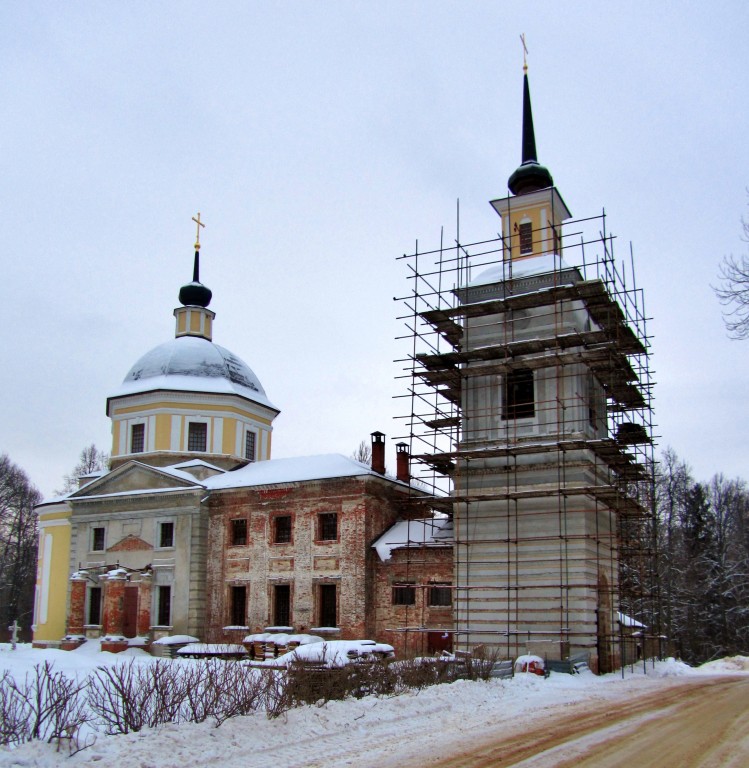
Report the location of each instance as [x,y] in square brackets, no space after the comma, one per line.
[333,653]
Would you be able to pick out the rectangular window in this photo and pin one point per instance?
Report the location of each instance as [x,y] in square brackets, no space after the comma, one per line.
[238,606]
[137,438]
[404,594]
[526,237]
[166,534]
[440,595]
[518,401]
[249,446]
[328,608]
[327,527]
[281,605]
[239,532]
[164,606]
[94,605]
[282,529]
[97,539]
[197,434]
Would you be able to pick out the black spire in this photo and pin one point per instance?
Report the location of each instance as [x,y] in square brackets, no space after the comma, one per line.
[530,175]
[195,294]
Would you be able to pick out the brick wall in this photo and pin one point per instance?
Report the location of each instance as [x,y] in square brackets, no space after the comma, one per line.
[366,507]
[419,567]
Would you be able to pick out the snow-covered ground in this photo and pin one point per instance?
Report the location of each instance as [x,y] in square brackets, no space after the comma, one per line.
[365,732]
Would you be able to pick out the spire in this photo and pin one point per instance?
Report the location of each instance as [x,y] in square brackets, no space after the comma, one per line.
[195,294]
[530,175]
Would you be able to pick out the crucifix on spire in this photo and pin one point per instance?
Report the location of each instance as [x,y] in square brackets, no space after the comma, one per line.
[199,224]
[525,55]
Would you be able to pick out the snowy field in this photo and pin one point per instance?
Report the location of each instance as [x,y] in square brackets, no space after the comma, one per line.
[366,732]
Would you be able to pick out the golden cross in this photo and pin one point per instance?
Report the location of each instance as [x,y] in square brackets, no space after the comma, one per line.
[199,224]
[525,53]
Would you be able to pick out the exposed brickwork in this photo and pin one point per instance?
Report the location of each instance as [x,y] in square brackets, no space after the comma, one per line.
[77,607]
[114,606]
[366,507]
[130,544]
[422,567]
[144,606]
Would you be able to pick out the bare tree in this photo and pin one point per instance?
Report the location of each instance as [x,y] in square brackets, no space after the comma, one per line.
[733,290]
[91,459]
[18,497]
[363,453]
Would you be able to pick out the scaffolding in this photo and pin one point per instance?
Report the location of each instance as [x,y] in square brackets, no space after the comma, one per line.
[529,421]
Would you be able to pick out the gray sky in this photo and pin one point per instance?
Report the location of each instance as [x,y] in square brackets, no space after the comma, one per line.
[319,140]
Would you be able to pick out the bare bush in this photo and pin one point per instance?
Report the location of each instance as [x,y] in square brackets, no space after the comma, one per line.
[46,705]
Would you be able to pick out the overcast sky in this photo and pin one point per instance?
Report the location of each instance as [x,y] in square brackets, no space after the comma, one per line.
[319,140]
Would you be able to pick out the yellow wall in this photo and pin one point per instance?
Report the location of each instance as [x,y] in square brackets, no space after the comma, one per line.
[55,573]
[163,431]
[228,441]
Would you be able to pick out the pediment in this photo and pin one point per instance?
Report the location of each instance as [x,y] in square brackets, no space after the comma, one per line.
[131,478]
[131,543]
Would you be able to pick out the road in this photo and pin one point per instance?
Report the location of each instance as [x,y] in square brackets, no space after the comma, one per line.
[698,724]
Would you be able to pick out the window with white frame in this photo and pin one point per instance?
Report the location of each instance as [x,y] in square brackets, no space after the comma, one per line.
[197,436]
[137,438]
[249,445]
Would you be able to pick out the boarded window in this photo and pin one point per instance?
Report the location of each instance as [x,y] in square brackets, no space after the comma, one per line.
[238,606]
[137,438]
[518,401]
[282,529]
[328,608]
[526,237]
[404,594]
[239,532]
[197,434]
[327,526]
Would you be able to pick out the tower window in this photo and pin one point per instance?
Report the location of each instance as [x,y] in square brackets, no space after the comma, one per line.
[518,400]
[525,231]
[249,446]
[238,606]
[137,438]
[197,434]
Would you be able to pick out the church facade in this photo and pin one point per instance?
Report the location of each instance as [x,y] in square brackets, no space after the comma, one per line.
[196,531]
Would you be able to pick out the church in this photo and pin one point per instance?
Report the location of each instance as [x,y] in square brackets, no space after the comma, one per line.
[527,526]
[195,530]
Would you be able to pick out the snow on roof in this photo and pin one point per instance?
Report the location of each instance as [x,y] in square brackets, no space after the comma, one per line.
[520,268]
[292,470]
[428,532]
[628,621]
[192,364]
[195,463]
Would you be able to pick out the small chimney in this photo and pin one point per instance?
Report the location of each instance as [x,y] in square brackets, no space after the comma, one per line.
[402,462]
[378,452]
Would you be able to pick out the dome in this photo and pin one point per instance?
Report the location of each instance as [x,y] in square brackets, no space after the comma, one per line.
[193,364]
